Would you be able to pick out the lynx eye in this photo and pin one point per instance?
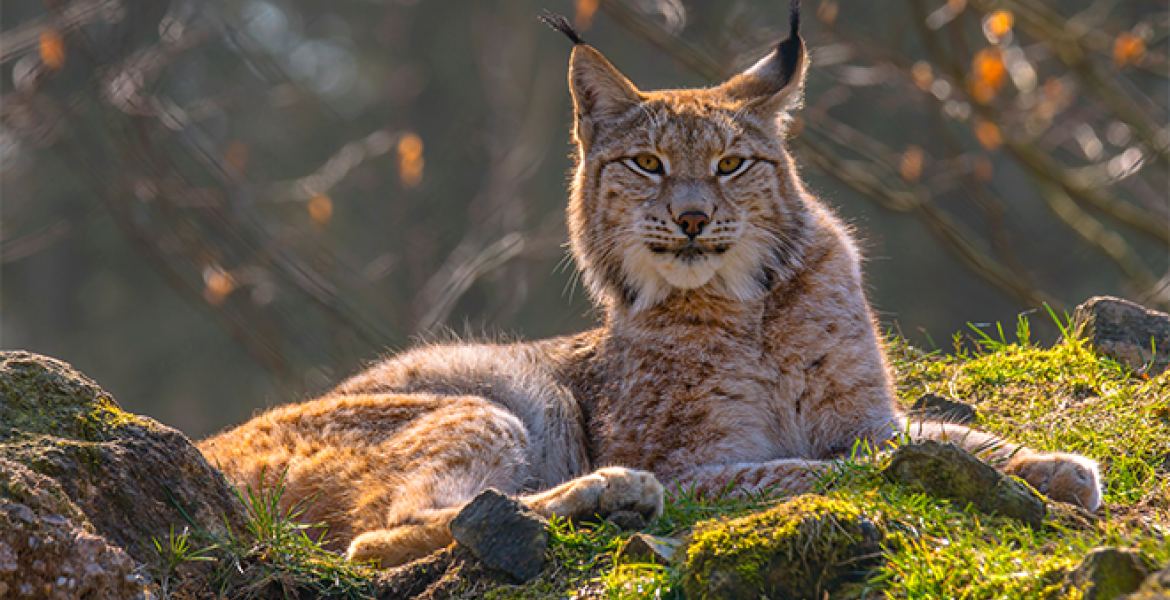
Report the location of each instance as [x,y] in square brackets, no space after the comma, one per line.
[649,163]
[729,164]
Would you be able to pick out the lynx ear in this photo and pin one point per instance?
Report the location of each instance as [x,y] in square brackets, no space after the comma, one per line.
[600,91]
[776,83]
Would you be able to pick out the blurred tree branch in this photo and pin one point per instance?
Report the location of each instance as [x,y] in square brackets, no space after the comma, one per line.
[997,126]
[523,107]
[990,255]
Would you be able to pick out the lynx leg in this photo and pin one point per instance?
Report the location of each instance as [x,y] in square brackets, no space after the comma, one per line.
[601,493]
[442,460]
[1060,476]
[406,542]
[784,475]
[598,494]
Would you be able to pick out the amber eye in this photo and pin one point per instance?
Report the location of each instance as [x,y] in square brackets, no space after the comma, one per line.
[649,163]
[729,164]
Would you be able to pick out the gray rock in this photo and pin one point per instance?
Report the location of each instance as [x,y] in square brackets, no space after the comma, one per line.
[90,486]
[948,471]
[627,520]
[1155,587]
[644,548]
[933,407]
[503,533]
[1161,579]
[58,559]
[1126,332]
[1108,573]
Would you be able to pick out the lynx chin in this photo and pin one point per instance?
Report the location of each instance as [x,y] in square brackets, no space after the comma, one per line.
[736,348]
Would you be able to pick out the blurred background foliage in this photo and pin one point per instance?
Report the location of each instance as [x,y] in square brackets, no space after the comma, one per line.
[212,206]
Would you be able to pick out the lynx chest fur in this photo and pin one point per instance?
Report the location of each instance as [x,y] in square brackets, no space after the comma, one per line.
[737,350]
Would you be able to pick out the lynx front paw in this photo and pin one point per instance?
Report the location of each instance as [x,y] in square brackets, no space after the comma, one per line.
[602,493]
[1062,477]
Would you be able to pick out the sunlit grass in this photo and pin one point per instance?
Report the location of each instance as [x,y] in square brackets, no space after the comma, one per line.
[274,552]
[278,549]
[1063,397]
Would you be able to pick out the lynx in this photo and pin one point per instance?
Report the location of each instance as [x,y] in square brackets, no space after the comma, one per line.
[737,349]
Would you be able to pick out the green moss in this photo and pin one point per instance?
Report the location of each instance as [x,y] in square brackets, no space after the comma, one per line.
[1065,398]
[799,549]
[43,397]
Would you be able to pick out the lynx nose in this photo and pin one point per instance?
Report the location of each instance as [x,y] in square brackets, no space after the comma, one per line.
[693,222]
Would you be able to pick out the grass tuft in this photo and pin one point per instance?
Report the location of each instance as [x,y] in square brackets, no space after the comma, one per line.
[274,557]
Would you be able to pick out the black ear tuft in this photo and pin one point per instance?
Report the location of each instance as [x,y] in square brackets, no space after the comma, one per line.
[790,49]
[561,24]
[793,19]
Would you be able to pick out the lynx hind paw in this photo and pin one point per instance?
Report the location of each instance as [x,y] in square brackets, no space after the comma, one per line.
[1062,477]
[385,548]
[604,492]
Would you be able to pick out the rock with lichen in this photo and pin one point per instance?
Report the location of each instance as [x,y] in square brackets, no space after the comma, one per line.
[87,488]
[1108,573]
[948,471]
[1126,332]
[1155,587]
[808,547]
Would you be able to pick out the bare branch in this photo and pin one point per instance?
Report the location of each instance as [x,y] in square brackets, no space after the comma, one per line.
[1107,241]
[80,12]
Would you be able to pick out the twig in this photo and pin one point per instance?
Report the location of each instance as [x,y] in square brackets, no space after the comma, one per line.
[853,175]
[1048,25]
[26,36]
[1109,242]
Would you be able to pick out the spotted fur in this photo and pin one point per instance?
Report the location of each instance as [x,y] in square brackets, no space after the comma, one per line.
[742,357]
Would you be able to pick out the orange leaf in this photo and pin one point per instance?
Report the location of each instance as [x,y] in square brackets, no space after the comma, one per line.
[410,146]
[988,135]
[410,159]
[219,284]
[321,209]
[585,10]
[1000,22]
[980,91]
[52,49]
[912,163]
[988,67]
[1128,49]
[923,75]
[827,11]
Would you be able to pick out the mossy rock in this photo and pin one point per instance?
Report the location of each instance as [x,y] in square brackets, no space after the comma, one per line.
[804,548]
[1155,587]
[947,471]
[1108,573]
[1126,332]
[68,451]
[43,396]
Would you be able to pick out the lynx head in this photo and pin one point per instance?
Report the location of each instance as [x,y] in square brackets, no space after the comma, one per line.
[684,191]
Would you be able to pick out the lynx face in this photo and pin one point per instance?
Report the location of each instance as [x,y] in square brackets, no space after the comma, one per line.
[684,190]
[710,211]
